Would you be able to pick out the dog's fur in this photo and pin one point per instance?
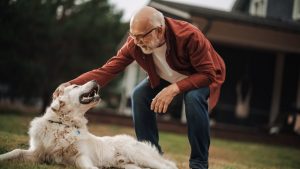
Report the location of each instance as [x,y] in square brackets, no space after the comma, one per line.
[61,136]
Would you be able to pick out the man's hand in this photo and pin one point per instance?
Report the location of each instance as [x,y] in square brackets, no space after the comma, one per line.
[60,89]
[162,100]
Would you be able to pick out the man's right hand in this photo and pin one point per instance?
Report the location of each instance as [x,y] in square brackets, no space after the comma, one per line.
[60,89]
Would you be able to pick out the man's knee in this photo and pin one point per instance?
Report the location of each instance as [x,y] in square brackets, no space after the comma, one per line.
[140,93]
[197,95]
[136,93]
[196,107]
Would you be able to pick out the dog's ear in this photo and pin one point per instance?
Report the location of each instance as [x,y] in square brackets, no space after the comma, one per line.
[55,105]
[58,92]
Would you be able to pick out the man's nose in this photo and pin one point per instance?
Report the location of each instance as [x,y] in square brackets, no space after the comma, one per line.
[138,41]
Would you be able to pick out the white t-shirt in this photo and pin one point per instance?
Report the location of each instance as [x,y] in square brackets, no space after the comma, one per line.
[162,67]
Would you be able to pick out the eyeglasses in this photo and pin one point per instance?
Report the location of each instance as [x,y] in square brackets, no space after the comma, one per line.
[141,36]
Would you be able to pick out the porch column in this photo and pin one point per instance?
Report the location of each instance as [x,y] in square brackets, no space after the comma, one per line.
[298,92]
[277,88]
[297,120]
[128,83]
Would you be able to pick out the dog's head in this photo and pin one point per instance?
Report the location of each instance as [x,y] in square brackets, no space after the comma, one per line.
[76,98]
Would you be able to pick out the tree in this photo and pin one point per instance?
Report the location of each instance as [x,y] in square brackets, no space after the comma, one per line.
[47,42]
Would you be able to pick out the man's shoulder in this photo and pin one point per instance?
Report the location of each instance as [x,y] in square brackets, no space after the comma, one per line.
[178,25]
[184,32]
[181,29]
[129,48]
[129,45]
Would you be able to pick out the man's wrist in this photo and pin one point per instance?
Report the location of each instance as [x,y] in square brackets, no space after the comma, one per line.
[175,88]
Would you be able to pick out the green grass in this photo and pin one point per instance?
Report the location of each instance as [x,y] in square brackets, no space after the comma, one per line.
[224,154]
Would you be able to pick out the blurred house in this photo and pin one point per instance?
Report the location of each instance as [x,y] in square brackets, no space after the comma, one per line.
[259,41]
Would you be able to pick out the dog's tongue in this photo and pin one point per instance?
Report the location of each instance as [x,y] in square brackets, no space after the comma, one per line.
[86,99]
[89,97]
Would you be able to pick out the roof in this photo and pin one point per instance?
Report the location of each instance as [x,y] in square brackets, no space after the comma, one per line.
[234,16]
[236,28]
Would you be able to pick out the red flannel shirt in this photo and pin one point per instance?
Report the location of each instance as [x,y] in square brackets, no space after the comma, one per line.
[188,52]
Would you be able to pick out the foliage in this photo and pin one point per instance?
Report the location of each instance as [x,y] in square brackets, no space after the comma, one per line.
[47,42]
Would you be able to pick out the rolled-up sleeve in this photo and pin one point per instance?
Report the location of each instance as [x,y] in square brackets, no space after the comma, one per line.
[198,50]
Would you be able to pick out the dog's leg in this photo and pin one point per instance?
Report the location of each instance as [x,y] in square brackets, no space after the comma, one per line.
[154,161]
[161,163]
[122,162]
[85,163]
[129,166]
[19,154]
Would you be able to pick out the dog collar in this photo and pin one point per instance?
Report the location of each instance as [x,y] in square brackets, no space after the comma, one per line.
[61,123]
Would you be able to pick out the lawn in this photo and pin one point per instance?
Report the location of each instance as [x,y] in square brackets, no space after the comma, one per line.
[224,154]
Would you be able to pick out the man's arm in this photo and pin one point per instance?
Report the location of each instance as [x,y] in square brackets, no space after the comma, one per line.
[162,100]
[200,55]
[105,73]
[109,70]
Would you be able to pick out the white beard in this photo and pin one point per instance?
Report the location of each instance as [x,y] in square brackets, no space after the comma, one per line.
[149,48]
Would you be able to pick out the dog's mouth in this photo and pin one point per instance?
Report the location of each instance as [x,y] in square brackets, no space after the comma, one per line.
[90,96]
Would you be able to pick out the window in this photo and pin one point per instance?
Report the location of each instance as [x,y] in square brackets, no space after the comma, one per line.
[296,10]
[258,7]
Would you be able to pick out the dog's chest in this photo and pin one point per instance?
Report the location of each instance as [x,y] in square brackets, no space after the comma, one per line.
[60,141]
[58,136]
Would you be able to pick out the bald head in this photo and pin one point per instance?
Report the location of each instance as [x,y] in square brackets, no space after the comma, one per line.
[145,19]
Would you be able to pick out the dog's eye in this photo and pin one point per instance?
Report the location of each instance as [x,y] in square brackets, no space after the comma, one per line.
[75,86]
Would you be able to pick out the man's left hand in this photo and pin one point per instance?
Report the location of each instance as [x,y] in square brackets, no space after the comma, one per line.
[162,100]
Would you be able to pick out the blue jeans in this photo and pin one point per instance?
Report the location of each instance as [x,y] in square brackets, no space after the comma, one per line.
[196,108]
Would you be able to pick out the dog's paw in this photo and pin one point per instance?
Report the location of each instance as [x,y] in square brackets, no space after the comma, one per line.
[132,167]
[92,168]
[2,157]
[121,160]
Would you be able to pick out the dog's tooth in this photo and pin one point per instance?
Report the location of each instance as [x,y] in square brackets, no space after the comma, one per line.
[85,98]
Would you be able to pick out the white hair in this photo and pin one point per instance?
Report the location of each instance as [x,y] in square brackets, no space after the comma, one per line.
[157,19]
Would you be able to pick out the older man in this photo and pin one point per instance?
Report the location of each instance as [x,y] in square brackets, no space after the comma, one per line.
[178,59]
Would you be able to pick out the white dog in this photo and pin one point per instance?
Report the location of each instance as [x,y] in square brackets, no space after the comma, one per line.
[61,136]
